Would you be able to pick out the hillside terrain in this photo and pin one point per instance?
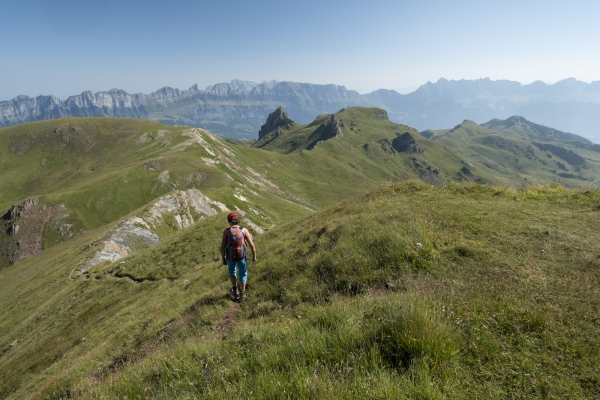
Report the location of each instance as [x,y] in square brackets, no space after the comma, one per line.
[516,150]
[68,176]
[63,177]
[392,264]
[239,108]
[409,291]
[368,142]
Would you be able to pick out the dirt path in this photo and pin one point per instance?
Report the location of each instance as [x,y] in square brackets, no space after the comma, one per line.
[227,322]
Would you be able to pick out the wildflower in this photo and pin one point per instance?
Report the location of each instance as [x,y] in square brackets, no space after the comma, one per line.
[206,374]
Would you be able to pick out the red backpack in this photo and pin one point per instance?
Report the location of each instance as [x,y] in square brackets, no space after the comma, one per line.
[236,244]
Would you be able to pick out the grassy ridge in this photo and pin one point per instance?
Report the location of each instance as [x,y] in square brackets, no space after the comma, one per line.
[498,301]
[48,156]
[102,169]
[364,152]
[510,155]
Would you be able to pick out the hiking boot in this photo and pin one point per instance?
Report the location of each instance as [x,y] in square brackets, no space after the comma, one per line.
[243,297]
[234,293]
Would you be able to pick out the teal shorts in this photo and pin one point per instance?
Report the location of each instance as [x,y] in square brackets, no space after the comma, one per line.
[242,270]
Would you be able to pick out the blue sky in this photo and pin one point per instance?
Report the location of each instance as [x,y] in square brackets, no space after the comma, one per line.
[64,47]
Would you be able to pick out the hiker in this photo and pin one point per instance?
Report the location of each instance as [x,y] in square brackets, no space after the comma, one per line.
[233,254]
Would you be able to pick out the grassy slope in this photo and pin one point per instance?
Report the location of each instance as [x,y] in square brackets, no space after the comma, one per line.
[363,166]
[52,155]
[102,169]
[132,329]
[508,157]
[499,302]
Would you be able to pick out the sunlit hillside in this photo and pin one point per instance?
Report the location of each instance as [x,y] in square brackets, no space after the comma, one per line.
[409,291]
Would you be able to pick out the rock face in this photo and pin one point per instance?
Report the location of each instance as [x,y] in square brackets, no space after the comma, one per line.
[239,108]
[336,127]
[465,170]
[26,224]
[406,143]
[139,231]
[326,131]
[276,119]
[383,115]
[236,109]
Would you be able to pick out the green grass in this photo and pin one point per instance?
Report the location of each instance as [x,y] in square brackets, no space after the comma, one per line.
[508,157]
[102,169]
[363,289]
[343,303]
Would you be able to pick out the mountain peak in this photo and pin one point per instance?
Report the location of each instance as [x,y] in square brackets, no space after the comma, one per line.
[531,129]
[276,119]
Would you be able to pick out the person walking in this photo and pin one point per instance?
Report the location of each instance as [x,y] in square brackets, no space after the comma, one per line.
[233,254]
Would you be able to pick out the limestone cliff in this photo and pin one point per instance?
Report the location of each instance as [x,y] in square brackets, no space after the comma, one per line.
[140,231]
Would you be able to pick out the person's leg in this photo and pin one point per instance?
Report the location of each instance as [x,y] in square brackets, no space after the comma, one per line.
[242,271]
[232,278]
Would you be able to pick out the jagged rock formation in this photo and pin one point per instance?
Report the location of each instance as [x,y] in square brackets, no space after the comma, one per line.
[406,143]
[336,127]
[25,224]
[326,131]
[276,120]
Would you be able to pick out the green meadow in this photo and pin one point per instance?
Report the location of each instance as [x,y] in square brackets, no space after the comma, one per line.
[499,300]
[376,278]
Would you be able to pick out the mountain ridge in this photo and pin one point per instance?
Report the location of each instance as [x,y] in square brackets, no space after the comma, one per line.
[239,108]
[362,215]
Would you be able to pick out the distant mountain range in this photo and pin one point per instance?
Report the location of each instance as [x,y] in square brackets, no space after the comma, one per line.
[239,108]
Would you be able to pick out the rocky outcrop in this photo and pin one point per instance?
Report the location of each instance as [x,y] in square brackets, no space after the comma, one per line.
[25,225]
[276,120]
[406,143]
[568,155]
[387,146]
[381,115]
[429,134]
[465,170]
[22,209]
[336,127]
[325,131]
[139,232]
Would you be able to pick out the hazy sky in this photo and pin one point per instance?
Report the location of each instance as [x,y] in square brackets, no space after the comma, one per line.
[64,47]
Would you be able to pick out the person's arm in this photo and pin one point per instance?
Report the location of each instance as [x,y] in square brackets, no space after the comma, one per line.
[250,244]
[223,247]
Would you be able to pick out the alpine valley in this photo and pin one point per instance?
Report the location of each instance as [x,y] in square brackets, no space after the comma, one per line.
[399,257]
